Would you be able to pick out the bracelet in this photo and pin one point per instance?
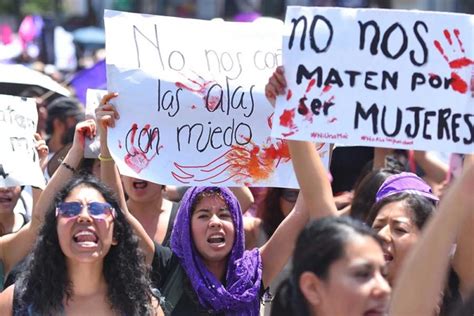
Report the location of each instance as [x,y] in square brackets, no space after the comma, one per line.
[68,166]
[105,159]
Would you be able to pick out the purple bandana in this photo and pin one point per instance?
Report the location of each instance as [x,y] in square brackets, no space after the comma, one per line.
[244,268]
[404,182]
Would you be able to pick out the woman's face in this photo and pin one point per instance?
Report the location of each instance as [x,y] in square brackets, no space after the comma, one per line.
[395,225]
[212,229]
[8,199]
[83,238]
[355,284]
[140,190]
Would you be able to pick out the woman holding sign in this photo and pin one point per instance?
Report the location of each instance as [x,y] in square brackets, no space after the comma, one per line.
[15,245]
[86,260]
[207,247]
[404,204]
[338,263]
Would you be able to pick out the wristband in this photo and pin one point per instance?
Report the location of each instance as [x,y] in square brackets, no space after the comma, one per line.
[105,159]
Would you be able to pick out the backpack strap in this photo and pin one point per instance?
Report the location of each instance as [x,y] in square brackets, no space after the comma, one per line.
[173,288]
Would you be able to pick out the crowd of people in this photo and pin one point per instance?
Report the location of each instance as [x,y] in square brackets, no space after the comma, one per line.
[390,236]
[97,242]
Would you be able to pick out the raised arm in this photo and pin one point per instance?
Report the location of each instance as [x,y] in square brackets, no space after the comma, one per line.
[244,196]
[463,260]
[423,275]
[14,247]
[310,172]
[434,168]
[106,114]
[315,198]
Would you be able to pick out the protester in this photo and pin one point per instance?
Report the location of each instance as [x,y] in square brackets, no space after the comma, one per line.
[63,115]
[275,206]
[86,259]
[365,191]
[423,273]
[207,248]
[145,199]
[11,221]
[404,203]
[338,269]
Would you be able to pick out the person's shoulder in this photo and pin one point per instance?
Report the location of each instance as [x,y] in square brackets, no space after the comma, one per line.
[6,300]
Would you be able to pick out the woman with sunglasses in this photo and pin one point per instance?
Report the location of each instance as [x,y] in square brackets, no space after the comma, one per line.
[207,270]
[86,260]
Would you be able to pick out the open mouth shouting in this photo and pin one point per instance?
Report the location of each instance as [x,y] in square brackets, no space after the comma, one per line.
[140,185]
[86,238]
[387,256]
[216,240]
[378,311]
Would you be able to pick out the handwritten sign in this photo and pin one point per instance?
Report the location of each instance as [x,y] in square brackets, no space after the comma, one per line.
[191,101]
[19,162]
[383,78]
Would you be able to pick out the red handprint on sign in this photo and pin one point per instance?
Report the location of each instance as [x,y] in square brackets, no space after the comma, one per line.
[200,86]
[137,157]
[459,62]
[242,164]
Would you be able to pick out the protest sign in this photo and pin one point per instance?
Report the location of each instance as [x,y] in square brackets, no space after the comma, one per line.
[383,78]
[19,161]
[93,97]
[191,101]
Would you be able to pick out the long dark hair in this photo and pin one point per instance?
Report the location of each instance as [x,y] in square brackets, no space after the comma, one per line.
[421,209]
[365,191]
[270,211]
[320,244]
[44,284]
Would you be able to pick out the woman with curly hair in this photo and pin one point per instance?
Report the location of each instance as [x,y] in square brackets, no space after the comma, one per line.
[86,259]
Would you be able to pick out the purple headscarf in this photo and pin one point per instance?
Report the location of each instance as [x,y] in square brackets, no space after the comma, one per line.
[244,268]
[405,182]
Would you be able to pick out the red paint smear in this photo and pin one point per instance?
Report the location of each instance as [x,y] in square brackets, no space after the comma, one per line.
[310,85]
[448,37]
[289,95]
[286,119]
[120,144]
[213,103]
[457,33]
[460,63]
[441,50]
[257,162]
[137,160]
[327,88]
[277,152]
[458,83]
[193,106]
[201,86]
[269,121]
[332,120]
[288,134]
[432,75]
